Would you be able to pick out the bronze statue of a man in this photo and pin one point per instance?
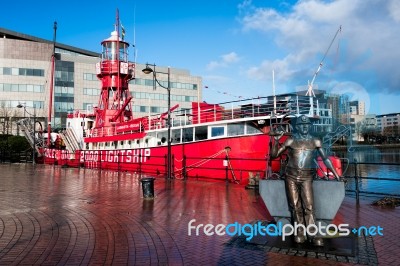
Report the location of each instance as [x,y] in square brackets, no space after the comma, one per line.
[302,150]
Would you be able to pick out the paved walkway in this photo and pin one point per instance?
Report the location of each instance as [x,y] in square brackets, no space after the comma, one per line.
[52,215]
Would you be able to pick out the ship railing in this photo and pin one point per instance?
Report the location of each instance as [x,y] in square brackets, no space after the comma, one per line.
[252,108]
[262,106]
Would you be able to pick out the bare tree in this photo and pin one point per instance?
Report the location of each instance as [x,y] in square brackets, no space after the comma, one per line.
[6,118]
[360,127]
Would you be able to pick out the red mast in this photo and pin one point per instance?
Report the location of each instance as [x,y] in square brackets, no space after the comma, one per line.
[114,71]
[51,87]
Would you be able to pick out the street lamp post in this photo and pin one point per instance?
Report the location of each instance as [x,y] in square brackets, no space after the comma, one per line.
[149,70]
[34,129]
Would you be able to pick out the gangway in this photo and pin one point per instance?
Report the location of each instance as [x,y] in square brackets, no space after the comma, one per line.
[33,137]
[70,140]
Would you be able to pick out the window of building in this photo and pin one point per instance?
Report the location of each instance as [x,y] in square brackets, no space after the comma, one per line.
[63,106]
[6,71]
[148,82]
[174,85]
[91,91]
[90,76]
[88,106]
[154,109]
[21,87]
[29,104]
[22,71]
[63,91]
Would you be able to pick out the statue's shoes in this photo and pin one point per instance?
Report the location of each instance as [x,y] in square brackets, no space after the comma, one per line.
[300,239]
[318,241]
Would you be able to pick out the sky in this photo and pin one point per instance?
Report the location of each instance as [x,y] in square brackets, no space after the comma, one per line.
[237,45]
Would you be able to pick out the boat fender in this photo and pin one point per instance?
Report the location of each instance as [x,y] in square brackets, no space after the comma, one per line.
[323,171]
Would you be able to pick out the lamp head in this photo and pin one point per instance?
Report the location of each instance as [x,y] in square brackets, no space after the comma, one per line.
[147,69]
[20,105]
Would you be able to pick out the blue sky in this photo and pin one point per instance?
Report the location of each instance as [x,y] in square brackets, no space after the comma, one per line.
[234,45]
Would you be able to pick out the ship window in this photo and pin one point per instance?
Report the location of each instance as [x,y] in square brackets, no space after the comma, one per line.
[176,136]
[217,131]
[200,133]
[187,134]
[162,136]
[235,129]
[252,129]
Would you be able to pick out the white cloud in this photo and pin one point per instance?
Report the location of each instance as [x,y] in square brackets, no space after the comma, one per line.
[368,43]
[264,71]
[230,58]
[226,60]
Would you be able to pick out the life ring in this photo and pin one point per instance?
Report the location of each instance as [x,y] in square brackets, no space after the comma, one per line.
[323,171]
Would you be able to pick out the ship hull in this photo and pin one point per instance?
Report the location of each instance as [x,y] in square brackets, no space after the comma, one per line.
[233,158]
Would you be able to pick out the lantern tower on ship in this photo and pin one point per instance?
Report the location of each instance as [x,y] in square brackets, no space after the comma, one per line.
[115,72]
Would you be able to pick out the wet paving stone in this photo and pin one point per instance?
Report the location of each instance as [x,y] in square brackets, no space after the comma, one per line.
[69,216]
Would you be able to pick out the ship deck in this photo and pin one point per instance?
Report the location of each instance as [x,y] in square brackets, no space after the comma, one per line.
[69,216]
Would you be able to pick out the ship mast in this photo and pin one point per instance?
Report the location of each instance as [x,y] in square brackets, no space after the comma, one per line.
[51,87]
[114,71]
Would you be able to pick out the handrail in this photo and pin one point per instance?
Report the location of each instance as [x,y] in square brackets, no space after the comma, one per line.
[357,177]
[222,112]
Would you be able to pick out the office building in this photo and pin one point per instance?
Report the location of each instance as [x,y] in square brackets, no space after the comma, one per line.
[388,124]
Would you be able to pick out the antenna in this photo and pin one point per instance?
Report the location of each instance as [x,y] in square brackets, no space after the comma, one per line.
[310,91]
[273,82]
[134,34]
[273,89]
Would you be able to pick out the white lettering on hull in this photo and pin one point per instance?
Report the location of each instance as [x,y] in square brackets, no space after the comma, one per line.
[122,156]
[59,154]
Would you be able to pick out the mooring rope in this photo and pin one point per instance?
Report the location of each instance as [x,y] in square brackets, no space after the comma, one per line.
[230,167]
[199,163]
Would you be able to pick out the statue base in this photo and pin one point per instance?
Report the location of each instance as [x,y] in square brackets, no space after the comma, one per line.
[328,196]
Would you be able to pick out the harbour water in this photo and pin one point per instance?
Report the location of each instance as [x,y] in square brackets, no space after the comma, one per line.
[379,171]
